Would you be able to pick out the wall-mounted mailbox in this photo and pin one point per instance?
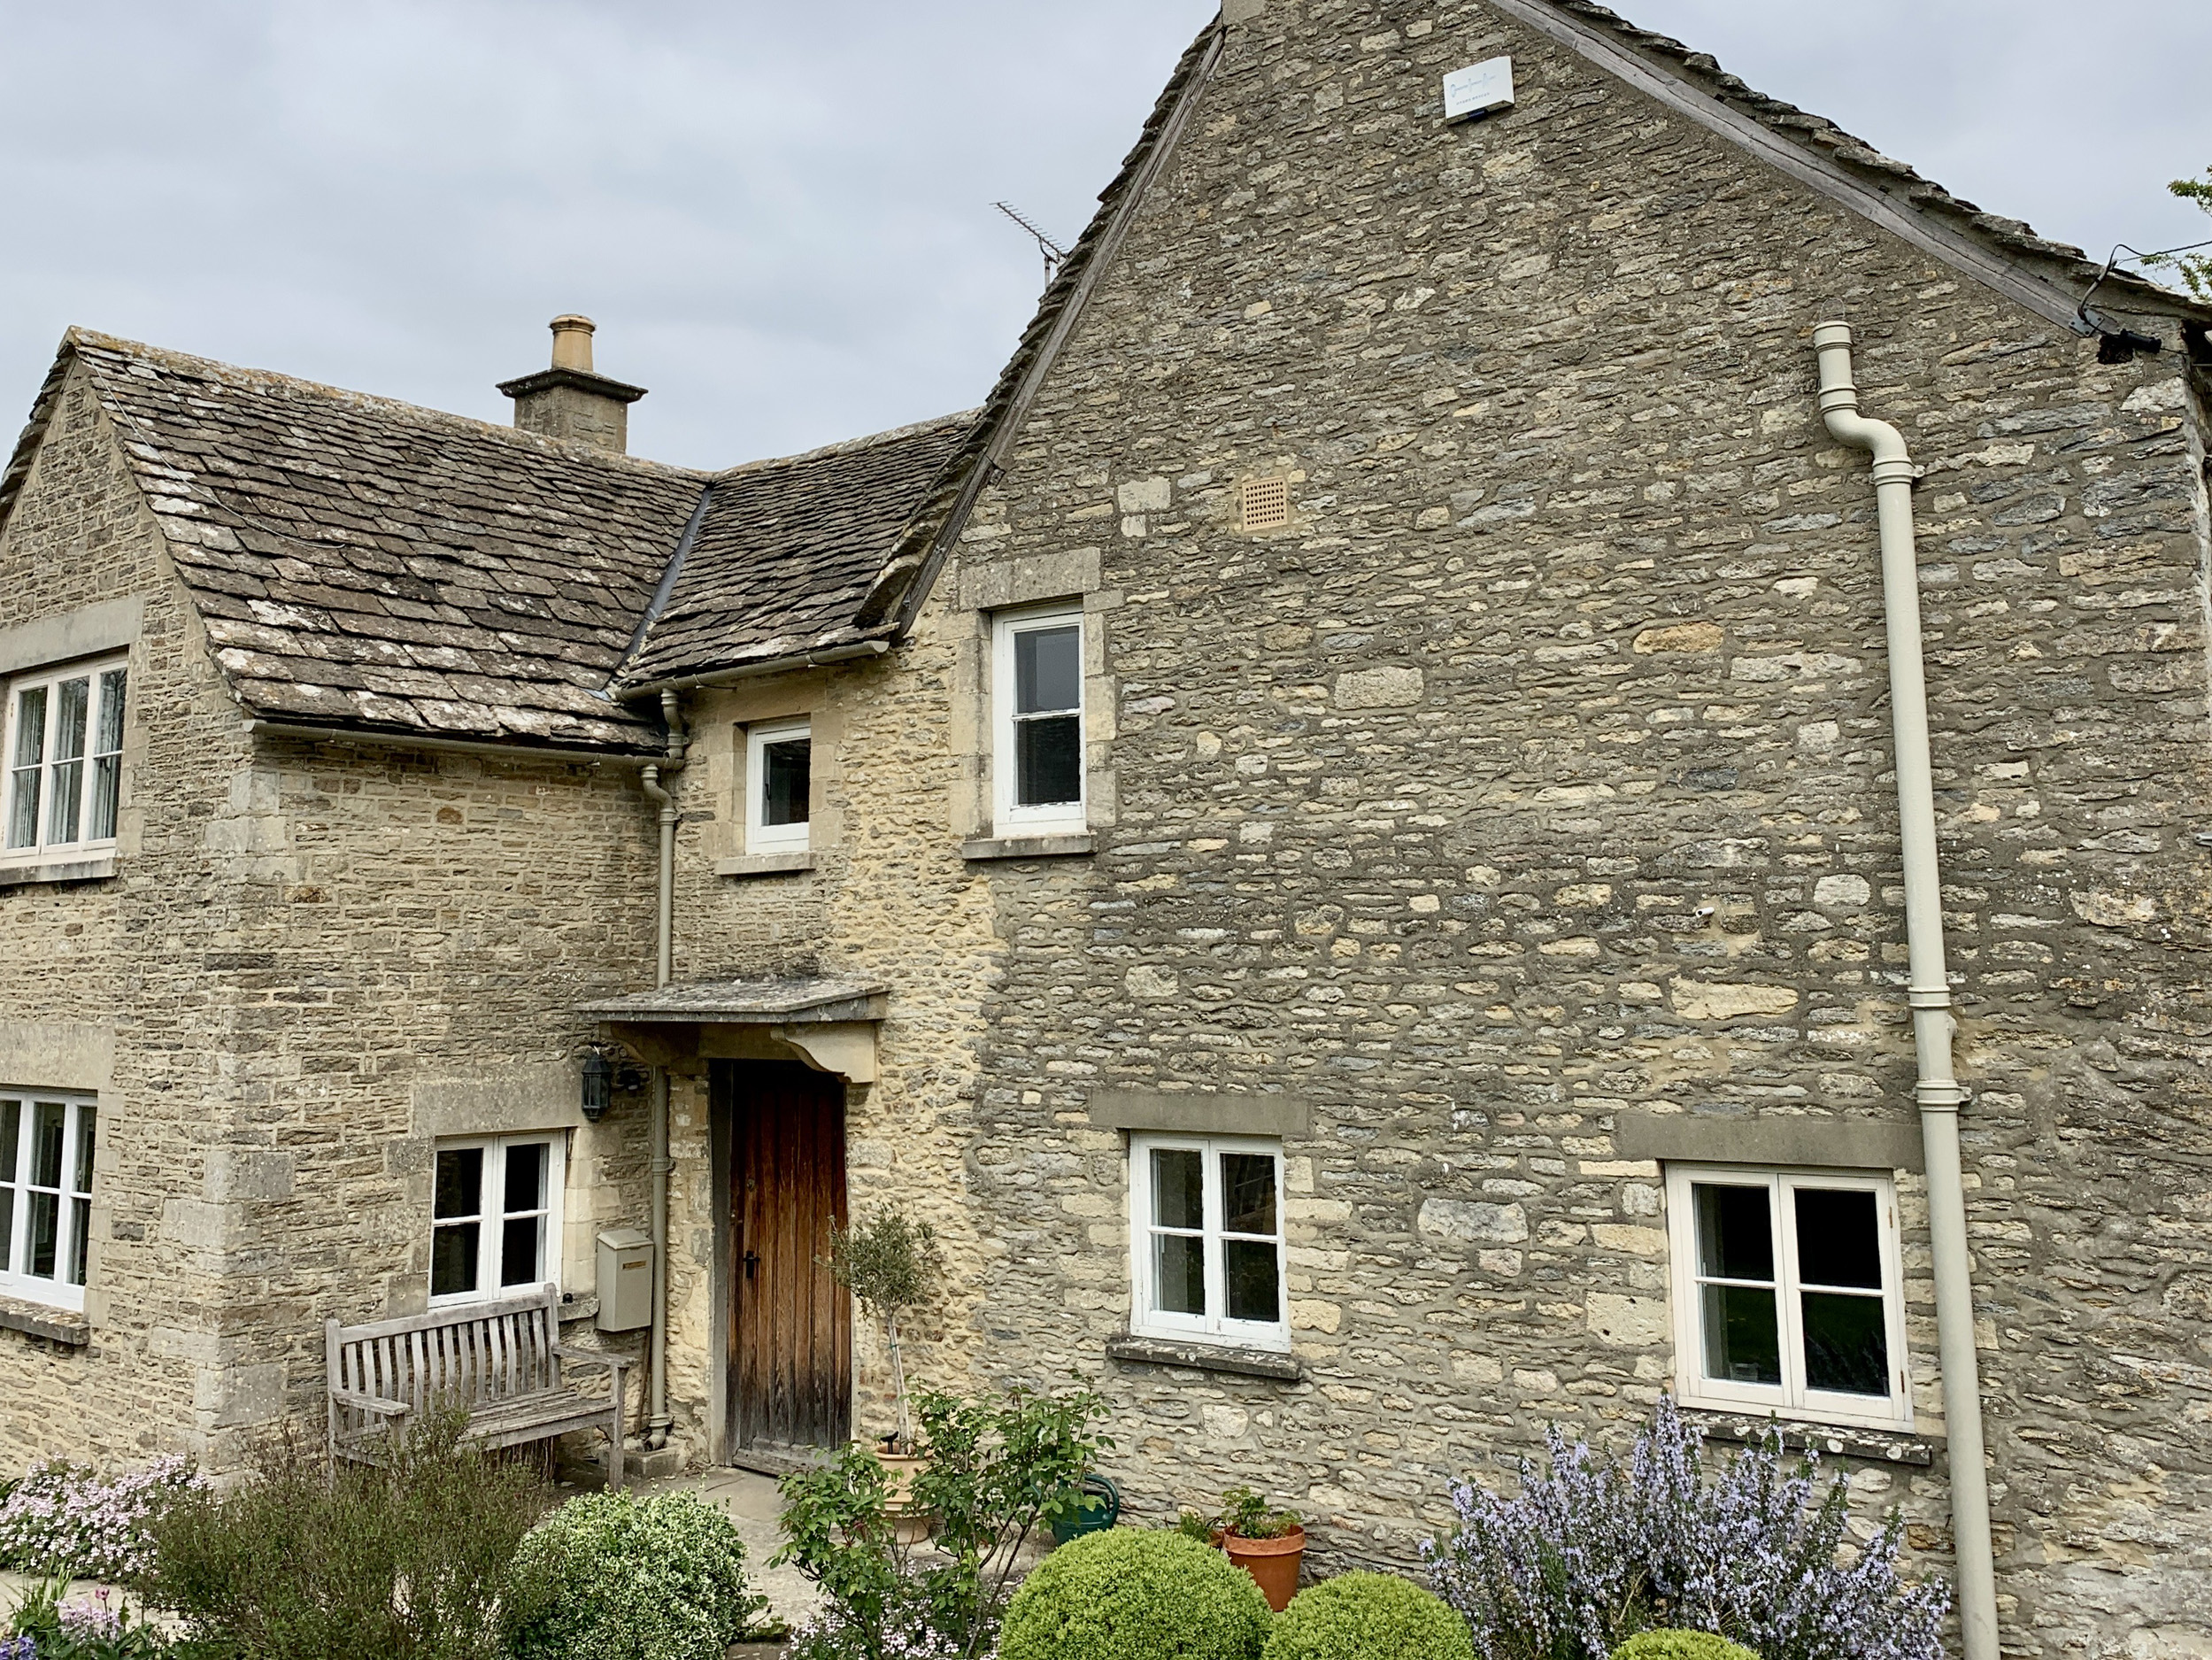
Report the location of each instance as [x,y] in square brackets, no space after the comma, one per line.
[626,1281]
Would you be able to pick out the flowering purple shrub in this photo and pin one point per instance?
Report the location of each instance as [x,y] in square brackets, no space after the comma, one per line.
[1593,1551]
[60,1519]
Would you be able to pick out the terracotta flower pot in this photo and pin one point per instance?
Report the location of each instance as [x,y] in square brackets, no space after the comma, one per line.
[1271,1562]
[913,1526]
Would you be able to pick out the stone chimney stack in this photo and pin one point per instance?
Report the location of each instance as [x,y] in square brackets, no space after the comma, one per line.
[569,401]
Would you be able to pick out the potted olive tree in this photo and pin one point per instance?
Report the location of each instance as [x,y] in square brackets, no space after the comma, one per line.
[891,1265]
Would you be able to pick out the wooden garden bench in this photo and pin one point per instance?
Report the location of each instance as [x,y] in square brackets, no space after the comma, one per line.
[500,1360]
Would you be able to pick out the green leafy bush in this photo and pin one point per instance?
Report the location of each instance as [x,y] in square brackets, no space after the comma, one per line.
[411,1559]
[999,1469]
[1130,1596]
[1681,1645]
[1248,1516]
[658,1578]
[1375,1617]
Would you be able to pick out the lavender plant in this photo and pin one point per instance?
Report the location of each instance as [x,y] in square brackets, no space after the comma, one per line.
[1594,1550]
[61,1518]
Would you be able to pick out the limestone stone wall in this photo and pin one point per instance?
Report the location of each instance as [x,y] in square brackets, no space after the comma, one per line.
[116,982]
[1539,773]
[889,899]
[312,962]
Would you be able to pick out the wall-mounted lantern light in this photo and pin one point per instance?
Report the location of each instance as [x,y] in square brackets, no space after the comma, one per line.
[598,1086]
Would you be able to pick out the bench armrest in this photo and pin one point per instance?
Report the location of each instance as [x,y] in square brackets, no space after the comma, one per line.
[618,1363]
[371,1403]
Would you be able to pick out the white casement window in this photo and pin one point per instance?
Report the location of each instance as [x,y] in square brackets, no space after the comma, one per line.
[1787,1295]
[64,761]
[779,785]
[495,1223]
[1037,724]
[1205,1233]
[46,1142]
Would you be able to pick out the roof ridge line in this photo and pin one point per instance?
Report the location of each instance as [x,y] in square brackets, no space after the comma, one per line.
[89,343]
[846,446]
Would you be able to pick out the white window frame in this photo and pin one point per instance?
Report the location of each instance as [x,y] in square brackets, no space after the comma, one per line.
[1045,818]
[760,836]
[1148,1320]
[1793,1398]
[43,849]
[15,1174]
[491,1224]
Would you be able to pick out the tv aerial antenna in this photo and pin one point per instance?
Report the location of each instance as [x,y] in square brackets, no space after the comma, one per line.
[1055,256]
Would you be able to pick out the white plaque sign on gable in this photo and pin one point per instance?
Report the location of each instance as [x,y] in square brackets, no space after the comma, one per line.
[1478,89]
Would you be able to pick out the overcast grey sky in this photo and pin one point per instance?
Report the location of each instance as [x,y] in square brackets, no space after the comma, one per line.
[780,213]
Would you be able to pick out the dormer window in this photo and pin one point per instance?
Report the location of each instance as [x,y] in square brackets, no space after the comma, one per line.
[63,749]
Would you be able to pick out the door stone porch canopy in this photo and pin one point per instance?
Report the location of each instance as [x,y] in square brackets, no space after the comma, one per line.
[828,1025]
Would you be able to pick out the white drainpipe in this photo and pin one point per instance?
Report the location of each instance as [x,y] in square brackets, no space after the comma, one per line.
[659,1423]
[1938,1091]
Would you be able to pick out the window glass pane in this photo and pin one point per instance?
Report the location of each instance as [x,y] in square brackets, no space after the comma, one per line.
[1742,1344]
[1048,669]
[1179,1273]
[72,716]
[1048,760]
[30,727]
[519,1255]
[110,736]
[1735,1234]
[460,1183]
[526,1176]
[11,1137]
[1839,1240]
[65,802]
[80,1239]
[30,750]
[1247,1193]
[23,808]
[453,1259]
[65,793]
[107,790]
[786,780]
[87,1121]
[1178,1188]
[45,1236]
[1846,1344]
[49,1117]
[1254,1290]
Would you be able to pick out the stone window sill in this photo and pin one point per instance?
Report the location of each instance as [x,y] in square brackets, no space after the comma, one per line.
[1029,847]
[59,871]
[1244,1363]
[1830,1441]
[65,1326]
[764,864]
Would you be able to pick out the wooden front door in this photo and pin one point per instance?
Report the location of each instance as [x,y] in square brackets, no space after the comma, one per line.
[790,1326]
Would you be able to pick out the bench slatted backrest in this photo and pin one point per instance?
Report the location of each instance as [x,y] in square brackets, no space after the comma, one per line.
[468,1356]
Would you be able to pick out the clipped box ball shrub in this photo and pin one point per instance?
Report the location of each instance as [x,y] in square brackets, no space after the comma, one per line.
[1681,1645]
[658,1578]
[1373,1616]
[1124,1594]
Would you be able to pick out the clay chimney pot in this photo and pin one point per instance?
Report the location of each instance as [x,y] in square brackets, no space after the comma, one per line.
[572,342]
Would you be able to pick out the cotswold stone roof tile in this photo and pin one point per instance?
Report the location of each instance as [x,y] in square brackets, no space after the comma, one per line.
[788,549]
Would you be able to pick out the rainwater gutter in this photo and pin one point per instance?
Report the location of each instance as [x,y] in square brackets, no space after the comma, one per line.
[658,1421]
[1938,1093]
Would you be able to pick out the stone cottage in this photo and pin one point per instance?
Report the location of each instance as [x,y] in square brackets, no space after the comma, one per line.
[1548,742]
